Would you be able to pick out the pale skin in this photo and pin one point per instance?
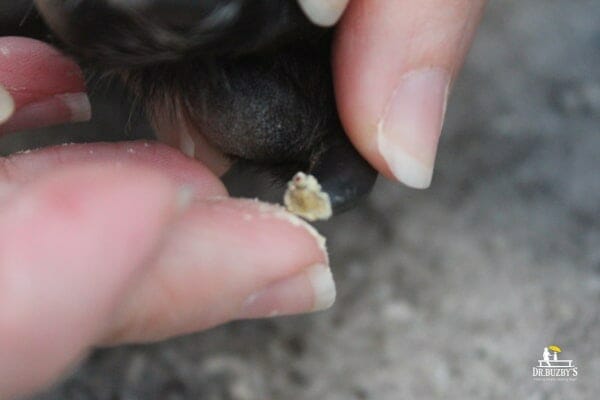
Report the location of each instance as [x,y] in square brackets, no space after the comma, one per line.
[99,243]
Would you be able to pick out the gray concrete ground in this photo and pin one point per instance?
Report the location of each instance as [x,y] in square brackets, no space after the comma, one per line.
[447,293]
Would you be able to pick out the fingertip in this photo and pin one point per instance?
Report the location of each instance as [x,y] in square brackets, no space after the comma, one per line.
[227,259]
[37,70]
[393,66]
[311,290]
[46,87]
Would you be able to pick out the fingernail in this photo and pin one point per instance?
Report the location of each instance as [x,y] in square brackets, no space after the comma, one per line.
[56,110]
[7,105]
[410,129]
[309,291]
[323,286]
[323,12]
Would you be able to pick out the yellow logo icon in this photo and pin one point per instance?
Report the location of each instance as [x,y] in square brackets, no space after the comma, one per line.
[550,367]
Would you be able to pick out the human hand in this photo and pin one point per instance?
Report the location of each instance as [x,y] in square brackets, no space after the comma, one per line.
[394,63]
[99,243]
[110,268]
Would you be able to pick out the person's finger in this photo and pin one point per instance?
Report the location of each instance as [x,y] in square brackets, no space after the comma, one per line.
[227,259]
[39,86]
[70,244]
[27,166]
[394,62]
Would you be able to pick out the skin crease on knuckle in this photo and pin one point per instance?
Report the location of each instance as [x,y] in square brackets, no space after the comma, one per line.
[253,76]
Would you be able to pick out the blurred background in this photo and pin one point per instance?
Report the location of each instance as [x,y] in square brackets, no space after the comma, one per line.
[447,293]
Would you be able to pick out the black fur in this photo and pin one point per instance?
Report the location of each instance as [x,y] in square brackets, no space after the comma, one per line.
[252,75]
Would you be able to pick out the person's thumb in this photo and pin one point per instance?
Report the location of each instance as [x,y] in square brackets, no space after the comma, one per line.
[394,63]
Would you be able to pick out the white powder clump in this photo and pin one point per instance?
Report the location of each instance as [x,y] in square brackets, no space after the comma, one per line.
[305,198]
